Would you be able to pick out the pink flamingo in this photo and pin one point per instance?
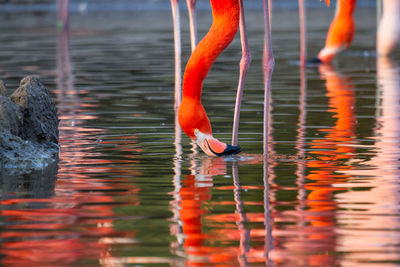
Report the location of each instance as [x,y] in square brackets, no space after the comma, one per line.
[341,31]
[228,16]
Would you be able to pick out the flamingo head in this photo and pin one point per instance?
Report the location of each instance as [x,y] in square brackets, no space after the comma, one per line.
[195,123]
[212,146]
[327,54]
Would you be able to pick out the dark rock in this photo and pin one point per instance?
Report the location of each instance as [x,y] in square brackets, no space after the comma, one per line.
[11,117]
[28,131]
[18,156]
[3,90]
[40,123]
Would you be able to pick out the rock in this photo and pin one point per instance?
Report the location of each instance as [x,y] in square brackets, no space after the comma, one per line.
[28,131]
[20,156]
[3,90]
[40,123]
[11,116]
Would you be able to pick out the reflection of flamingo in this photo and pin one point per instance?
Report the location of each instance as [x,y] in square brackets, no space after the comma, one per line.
[332,150]
[75,224]
[314,228]
[199,229]
[342,29]
[373,230]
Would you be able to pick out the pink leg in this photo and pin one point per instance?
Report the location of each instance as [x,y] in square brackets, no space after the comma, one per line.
[303,33]
[244,66]
[62,6]
[270,12]
[268,241]
[244,232]
[268,66]
[268,63]
[177,46]
[192,22]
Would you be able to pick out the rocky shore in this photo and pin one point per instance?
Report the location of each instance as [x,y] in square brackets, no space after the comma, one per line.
[28,130]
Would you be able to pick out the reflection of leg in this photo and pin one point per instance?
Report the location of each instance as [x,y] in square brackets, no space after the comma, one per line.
[389,27]
[244,66]
[301,138]
[177,46]
[243,230]
[191,4]
[267,215]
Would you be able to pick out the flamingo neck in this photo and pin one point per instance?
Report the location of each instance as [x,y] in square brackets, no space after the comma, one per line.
[345,8]
[223,29]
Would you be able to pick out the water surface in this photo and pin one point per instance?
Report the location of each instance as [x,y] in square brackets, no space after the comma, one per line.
[131,191]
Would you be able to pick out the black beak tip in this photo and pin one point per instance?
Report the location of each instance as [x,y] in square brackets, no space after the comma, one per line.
[313,61]
[230,150]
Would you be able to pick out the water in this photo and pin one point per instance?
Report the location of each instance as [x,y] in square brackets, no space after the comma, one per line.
[123,196]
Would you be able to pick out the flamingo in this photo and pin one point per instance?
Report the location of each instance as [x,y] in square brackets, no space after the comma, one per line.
[389,28]
[342,28]
[341,31]
[191,114]
[228,16]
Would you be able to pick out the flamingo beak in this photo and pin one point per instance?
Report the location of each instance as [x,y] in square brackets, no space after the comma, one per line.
[212,147]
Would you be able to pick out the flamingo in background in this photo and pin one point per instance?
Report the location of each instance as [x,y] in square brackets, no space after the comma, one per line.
[341,31]
[389,28]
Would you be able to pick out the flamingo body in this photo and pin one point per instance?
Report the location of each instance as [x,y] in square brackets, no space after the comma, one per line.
[191,114]
[389,28]
[341,31]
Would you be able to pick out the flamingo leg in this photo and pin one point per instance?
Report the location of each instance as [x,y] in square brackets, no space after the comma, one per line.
[177,48]
[191,4]
[303,33]
[244,66]
[268,63]
[62,12]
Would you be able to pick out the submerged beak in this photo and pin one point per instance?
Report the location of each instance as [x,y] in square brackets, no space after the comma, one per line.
[212,147]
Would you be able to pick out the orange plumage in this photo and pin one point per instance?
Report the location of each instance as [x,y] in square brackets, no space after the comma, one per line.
[191,112]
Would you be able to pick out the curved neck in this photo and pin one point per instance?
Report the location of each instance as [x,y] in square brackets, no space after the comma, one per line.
[222,31]
[345,8]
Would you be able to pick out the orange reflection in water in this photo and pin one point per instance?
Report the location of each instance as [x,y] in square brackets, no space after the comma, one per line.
[206,237]
[330,154]
[369,217]
[310,237]
[75,225]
